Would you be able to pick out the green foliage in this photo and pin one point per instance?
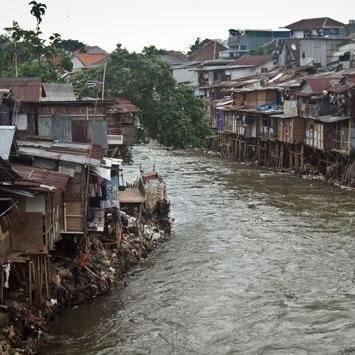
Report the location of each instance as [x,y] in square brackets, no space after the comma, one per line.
[258,51]
[38,10]
[170,113]
[46,71]
[262,50]
[197,45]
[25,47]
[70,45]
[65,62]
[152,50]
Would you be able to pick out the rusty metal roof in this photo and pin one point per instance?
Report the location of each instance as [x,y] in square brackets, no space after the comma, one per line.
[24,89]
[7,134]
[42,176]
[254,60]
[316,85]
[85,154]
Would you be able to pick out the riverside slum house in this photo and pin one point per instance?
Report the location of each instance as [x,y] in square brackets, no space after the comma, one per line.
[304,123]
[53,110]
[327,105]
[56,187]
[123,122]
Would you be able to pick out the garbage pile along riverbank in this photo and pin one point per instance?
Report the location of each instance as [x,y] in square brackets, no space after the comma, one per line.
[77,279]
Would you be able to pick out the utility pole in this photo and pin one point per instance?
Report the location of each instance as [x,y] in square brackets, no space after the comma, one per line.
[103,81]
[16,59]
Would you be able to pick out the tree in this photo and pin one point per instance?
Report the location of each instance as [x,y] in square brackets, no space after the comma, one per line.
[38,10]
[171,113]
[152,50]
[70,45]
[258,51]
[197,45]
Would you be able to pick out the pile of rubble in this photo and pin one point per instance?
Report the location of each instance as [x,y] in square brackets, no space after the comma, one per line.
[78,279]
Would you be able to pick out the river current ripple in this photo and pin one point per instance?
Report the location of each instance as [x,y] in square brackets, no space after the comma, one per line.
[258,263]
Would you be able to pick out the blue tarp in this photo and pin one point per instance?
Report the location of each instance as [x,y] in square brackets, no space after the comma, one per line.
[270,107]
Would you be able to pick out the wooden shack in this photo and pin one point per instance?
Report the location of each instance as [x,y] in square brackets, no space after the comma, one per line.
[122,122]
[330,133]
[73,121]
[290,124]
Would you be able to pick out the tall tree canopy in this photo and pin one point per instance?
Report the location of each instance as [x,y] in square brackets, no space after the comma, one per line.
[170,113]
[38,10]
[197,45]
[70,45]
[26,53]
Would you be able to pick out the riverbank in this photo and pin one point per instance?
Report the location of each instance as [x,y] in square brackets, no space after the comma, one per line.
[340,173]
[80,271]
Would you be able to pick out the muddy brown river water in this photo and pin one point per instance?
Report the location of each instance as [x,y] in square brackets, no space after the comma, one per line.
[257,263]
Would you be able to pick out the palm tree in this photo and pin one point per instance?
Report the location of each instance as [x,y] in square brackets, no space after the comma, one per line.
[38,10]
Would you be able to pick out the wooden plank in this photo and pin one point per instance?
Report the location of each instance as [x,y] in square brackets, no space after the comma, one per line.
[29,234]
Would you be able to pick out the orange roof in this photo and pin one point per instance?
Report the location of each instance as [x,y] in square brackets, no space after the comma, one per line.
[90,59]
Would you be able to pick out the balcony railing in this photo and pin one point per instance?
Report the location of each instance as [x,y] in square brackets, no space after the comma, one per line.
[310,111]
[115,139]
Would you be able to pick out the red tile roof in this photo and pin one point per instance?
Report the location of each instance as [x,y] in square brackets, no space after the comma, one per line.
[315,23]
[24,89]
[255,60]
[208,52]
[88,59]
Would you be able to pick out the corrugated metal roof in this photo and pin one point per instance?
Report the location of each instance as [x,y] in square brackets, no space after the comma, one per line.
[24,89]
[42,176]
[58,92]
[131,195]
[78,158]
[6,139]
[72,152]
[254,60]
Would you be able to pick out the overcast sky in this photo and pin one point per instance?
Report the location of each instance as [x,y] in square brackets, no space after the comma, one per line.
[165,23]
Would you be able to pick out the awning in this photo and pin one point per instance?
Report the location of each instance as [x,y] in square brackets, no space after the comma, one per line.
[131,195]
[331,119]
[102,172]
[283,115]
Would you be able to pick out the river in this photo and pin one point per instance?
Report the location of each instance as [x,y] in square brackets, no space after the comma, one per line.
[257,263]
